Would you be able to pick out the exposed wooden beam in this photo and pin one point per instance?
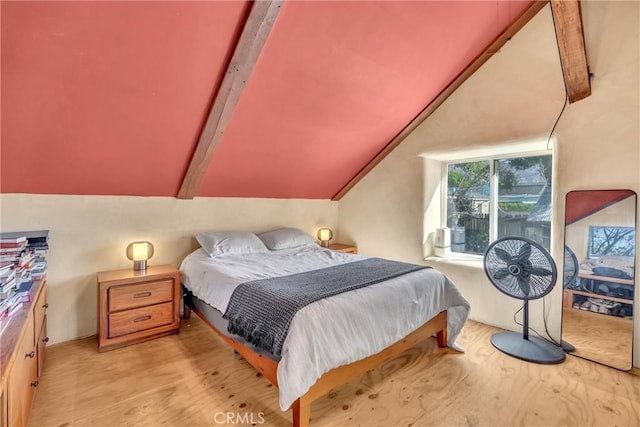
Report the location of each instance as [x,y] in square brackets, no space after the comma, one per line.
[261,18]
[567,18]
[493,48]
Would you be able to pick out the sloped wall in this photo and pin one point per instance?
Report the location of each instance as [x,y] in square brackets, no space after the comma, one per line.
[517,95]
[90,233]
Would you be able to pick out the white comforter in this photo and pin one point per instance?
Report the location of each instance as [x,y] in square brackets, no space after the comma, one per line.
[337,330]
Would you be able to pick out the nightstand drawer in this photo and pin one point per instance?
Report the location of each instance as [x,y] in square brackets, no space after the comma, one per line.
[139,319]
[132,296]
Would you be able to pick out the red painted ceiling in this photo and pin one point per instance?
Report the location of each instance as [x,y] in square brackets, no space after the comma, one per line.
[581,204]
[110,97]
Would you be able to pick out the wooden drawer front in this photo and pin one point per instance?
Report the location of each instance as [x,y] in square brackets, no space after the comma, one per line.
[41,345]
[139,319]
[40,309]
[132,296]
[22,379]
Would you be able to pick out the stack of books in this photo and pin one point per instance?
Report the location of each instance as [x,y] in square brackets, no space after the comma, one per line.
[10,305]
[7,279]
[38,245]
[12,248]
[22,260]
[12,251]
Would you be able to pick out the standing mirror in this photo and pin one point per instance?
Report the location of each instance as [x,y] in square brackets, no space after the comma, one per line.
[599,276]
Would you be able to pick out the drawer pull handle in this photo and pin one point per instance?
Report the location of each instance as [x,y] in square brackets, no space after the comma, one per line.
[142,295]
[141,319]
[45,339]
[34,384]
[45,305]
[31,355]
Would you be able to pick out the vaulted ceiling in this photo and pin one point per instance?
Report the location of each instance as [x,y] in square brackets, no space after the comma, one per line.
[114,98]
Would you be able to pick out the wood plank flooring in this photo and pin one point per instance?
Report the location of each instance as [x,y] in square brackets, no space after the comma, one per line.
[194,379]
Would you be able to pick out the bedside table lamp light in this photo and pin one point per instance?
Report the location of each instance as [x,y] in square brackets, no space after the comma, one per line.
[139,253]
[324,235]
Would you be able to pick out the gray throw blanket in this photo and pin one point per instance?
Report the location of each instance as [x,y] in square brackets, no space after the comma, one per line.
[261,310]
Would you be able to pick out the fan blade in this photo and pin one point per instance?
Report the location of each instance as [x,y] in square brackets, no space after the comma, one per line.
[523,282]
[525,252]
[501,273]
[539,271]
[502,254]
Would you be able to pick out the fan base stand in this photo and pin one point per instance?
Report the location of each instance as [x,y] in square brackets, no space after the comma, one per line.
[568,347]
[534,349]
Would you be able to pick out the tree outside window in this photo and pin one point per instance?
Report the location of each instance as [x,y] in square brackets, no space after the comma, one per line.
[523,203]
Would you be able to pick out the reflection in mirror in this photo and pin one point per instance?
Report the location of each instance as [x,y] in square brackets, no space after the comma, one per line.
[599,276]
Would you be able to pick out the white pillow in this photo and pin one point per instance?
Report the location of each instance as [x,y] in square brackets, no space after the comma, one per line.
[230,242]
[284,238]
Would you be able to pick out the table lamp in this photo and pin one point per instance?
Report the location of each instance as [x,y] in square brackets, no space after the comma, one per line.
[139,253]
[324,235]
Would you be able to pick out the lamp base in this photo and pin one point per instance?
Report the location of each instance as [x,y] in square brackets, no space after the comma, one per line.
[324,243]
[140,265]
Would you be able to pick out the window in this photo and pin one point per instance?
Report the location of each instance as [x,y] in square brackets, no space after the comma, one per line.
[493,198]
[614,241]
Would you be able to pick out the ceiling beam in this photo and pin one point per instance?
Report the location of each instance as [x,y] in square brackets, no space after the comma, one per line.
[493,48]
[261,18]
[567,19]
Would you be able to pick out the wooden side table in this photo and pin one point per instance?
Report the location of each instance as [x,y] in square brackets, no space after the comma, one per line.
[341,247]
[136,306]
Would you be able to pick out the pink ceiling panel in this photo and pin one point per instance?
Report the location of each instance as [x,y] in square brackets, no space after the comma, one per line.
[108,97]
[336,82]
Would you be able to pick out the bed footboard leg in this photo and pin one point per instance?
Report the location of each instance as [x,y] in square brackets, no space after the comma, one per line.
[442,338]
[301,410]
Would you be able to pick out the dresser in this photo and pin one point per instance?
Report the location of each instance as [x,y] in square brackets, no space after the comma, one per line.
[24,340]
[136,306]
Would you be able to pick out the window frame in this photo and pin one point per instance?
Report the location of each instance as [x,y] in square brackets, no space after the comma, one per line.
[493,187]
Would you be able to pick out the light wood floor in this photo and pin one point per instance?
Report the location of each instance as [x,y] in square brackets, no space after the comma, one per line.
[194,379]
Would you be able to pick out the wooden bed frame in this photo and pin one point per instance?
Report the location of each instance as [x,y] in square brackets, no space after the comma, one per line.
[338,376]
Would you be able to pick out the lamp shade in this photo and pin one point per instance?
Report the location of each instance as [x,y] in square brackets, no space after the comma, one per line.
[139,253]
[324,235]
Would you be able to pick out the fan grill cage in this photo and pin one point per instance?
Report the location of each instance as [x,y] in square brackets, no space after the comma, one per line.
[570,268]
[520,268]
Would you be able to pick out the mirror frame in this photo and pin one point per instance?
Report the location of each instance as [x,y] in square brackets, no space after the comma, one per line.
[579,205]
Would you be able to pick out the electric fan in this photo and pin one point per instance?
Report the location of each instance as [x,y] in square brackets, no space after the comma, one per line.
[570,273]
[524,270]
[570,267]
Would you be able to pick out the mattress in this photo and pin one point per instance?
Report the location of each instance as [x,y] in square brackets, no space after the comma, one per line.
[334,331]
[214,316]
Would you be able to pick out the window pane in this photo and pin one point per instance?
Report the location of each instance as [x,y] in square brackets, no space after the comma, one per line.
[615,241]
[524,198]
[468,206]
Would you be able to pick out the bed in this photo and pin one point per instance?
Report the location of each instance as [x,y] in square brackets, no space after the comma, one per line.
[329,341]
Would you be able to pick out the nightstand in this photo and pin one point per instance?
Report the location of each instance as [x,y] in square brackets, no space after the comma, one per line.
[340,247]
[135,306]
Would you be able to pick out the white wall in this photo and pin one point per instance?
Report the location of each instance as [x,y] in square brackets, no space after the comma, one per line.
[515,96]
[90,233]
